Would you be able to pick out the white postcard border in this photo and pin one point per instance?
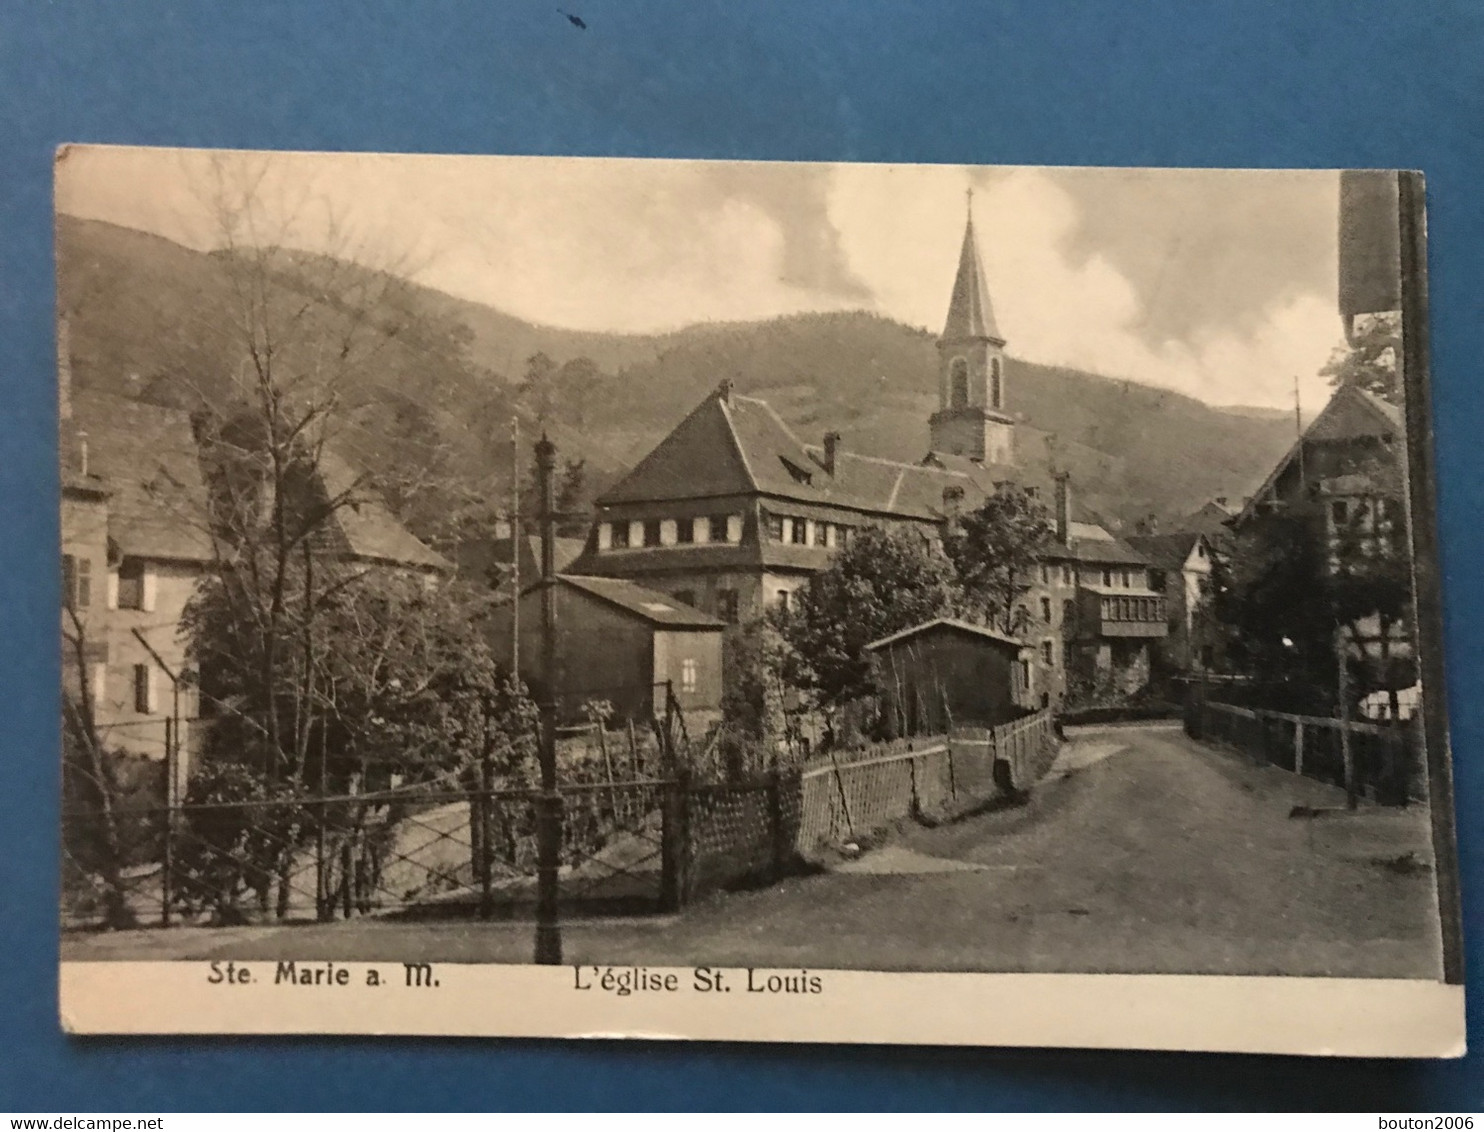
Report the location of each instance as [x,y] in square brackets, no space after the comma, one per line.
[1315,1016]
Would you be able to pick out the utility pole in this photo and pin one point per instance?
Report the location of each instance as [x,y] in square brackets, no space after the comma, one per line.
[549,801]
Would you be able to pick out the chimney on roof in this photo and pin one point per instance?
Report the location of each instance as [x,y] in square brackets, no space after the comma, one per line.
[724,390]
[1063,508]
[953,500]
[831,450]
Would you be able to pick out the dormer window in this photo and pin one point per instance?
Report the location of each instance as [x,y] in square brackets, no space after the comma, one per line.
[800,475]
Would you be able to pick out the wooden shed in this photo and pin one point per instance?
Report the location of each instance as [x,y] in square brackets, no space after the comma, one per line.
[618,642]
[946,673]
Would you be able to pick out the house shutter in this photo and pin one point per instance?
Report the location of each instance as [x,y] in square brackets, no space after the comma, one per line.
[112,587]
[144,689]
[69,581]
[147,585]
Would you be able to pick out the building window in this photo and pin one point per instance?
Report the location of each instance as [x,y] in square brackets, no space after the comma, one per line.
[686,597]
[1108,578]
[727,605]
[77,582]
[775,527]
[688,675]
[1048,653]
[825,535]
[718,525]
[1124,579]
[996,385]
[144,689]
[619,537]
[131,584]
[685,530]
[1046,610]
[1045,574]
[651,532]
[1066,575]
[783,600]
[958,375]
[1025,674]
[799,536]
[1340,511]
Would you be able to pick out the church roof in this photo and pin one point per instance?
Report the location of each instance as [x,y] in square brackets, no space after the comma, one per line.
[970,314]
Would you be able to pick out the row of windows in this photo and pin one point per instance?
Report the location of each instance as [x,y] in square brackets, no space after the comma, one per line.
[799,531]
[132,582]
[1123,579]
[622,535]
[1133,609]
[1064,572]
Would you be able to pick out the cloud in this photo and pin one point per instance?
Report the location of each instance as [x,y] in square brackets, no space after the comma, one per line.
[1062,300]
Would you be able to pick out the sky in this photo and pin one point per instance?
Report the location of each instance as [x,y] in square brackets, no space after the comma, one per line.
[1218,284]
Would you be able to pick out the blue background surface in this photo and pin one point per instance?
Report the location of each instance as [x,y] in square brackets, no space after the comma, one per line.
[1331,83]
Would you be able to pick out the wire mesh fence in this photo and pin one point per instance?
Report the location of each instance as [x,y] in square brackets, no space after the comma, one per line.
[631,845]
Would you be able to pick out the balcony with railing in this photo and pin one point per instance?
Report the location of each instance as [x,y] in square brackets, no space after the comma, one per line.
[1109,612]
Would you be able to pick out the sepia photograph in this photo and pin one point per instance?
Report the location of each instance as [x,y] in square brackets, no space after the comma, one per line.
[715,587]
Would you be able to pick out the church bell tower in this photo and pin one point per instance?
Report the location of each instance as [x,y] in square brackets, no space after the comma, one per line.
[971,419]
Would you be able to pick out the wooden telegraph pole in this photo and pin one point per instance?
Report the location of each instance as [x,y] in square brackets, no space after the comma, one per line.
[548,801]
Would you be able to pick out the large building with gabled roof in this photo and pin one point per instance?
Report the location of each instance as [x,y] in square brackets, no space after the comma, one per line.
[732,511]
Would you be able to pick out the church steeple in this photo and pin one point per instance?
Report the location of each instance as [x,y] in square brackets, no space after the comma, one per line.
[971,419]
[970,313]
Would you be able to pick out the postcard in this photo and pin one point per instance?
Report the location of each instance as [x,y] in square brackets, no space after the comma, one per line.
[750,601]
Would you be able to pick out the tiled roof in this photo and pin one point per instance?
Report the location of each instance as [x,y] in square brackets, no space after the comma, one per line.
[1167,551]
[145,456]
[738,446]
[654,607]
[1112,551]
[369,530]
[980,631]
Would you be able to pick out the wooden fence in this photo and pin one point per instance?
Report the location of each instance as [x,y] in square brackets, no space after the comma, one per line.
[1377,761]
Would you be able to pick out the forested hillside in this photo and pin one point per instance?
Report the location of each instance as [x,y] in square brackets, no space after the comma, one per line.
[436,398]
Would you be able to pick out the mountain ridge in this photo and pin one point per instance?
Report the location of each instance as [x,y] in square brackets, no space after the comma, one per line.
[1139,449]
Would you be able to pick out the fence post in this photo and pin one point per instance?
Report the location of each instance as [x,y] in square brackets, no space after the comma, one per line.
[674,842]
[486,809]
[780,843]
[916,803]
[1298,746]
